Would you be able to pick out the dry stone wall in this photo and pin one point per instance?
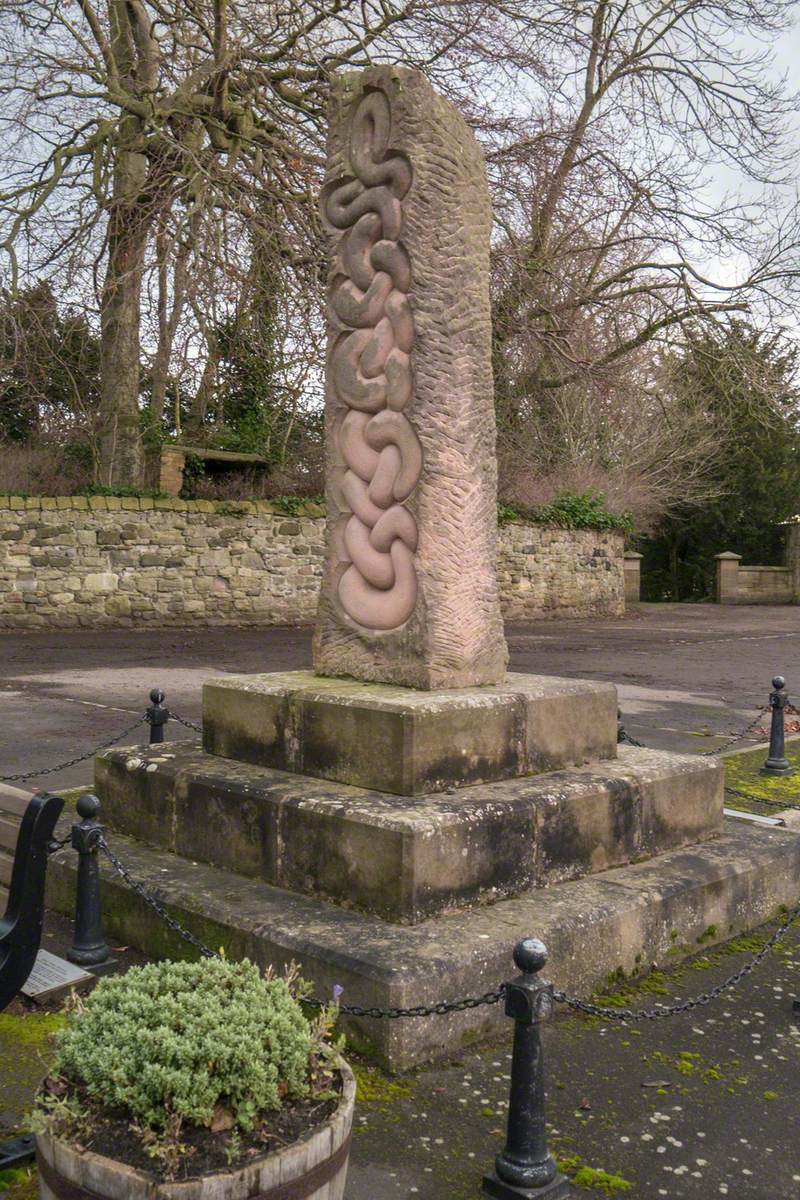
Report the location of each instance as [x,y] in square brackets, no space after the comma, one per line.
[78,561]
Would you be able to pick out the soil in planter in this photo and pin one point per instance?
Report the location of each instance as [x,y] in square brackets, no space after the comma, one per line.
[208,1153]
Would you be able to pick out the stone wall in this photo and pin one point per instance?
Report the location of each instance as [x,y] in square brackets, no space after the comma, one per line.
[78,561]
[544,571]
[736,584]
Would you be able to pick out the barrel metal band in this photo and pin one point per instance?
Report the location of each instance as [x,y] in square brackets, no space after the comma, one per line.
[293,1189]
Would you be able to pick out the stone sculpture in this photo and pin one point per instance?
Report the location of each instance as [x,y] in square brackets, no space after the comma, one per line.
[371,374]
[410,592]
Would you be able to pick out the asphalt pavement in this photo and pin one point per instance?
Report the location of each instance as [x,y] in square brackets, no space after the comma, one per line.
[688,675]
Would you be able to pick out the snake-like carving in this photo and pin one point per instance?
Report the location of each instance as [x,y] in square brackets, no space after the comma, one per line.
[371,373]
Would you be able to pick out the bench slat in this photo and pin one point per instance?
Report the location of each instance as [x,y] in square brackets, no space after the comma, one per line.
[9,832]
[13,801]
[6,867]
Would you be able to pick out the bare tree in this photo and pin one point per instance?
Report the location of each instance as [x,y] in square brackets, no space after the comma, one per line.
[139,128]
[151,138]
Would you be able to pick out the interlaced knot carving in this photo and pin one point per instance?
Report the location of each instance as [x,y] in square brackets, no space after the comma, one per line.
[371,374]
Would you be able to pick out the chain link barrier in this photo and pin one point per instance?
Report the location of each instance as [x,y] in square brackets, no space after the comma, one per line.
[494,997]
[779,804]
[73,762]
[738,737]
[627,738]
[671,1010]
[173,716]
[353,1010]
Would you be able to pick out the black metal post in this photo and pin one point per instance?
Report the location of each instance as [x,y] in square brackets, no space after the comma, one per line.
[777,763]
[157,715]
[524,1168]
[89,948]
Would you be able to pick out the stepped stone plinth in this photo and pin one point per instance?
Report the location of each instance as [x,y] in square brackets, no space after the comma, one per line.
[397,739]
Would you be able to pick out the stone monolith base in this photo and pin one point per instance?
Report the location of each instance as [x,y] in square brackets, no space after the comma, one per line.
[394,739]
[406,859]
[409,593]
[610,922]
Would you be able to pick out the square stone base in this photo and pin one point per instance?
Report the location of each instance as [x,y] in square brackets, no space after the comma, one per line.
[404,741]
[605,923]
[400,858]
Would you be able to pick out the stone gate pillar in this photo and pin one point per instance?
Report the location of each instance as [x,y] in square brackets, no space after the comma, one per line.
[409,594]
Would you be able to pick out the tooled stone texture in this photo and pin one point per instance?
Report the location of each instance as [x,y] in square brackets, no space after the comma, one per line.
[453,636]
[194,563]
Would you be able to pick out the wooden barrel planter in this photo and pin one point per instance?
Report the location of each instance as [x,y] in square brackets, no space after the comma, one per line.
[314,1168]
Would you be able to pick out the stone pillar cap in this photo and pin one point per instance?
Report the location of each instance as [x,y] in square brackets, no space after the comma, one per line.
[728,554]
[632,554]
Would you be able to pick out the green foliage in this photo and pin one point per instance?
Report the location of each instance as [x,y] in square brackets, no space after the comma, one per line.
[744,379]
[294,505]
[100,489]
[584,510]
[49,365]
[179,1040]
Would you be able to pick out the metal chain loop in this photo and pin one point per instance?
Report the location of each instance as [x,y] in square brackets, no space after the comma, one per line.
[737,737]
[658,1014]
[183,721]
[761,799]
[353,1010]
[629,740]
[72,762]
[156,905]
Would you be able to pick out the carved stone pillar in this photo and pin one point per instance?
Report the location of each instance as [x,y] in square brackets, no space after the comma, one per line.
[410,590]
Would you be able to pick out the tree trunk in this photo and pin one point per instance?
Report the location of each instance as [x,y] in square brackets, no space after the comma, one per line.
[674,571]
[121,458]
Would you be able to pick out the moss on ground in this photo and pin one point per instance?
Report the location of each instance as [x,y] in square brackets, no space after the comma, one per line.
[376,1089]
[592,1177]
[20,1184]
[742,772]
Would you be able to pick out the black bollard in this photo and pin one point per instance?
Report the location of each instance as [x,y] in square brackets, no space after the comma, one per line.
[89,948]
[777,763]
[524,1168]
[157,715]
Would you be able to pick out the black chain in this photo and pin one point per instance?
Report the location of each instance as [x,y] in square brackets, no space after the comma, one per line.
[657,1014]
[72,762]
[737,737]
[183,721]
[760,799]
[419,1010]
[353,1010]
[156,905]
[625,737]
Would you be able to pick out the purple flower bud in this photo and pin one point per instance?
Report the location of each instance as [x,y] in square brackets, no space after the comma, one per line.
[337,991]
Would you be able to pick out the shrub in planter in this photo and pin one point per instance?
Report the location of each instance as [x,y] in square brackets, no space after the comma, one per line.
[181,1071]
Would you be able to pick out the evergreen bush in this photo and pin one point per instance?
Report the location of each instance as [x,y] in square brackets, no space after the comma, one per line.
[187,1040]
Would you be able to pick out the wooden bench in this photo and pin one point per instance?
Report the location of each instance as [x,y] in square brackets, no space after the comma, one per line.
[26,830]
[13,803]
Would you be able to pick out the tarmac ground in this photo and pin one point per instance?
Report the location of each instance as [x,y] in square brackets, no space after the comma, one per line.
[684,672]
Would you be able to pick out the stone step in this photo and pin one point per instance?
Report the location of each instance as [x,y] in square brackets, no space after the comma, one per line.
[400,858]
[406,741]
[654,911]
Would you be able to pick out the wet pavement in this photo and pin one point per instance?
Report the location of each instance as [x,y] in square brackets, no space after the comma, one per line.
[684,672]
[699,1105]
